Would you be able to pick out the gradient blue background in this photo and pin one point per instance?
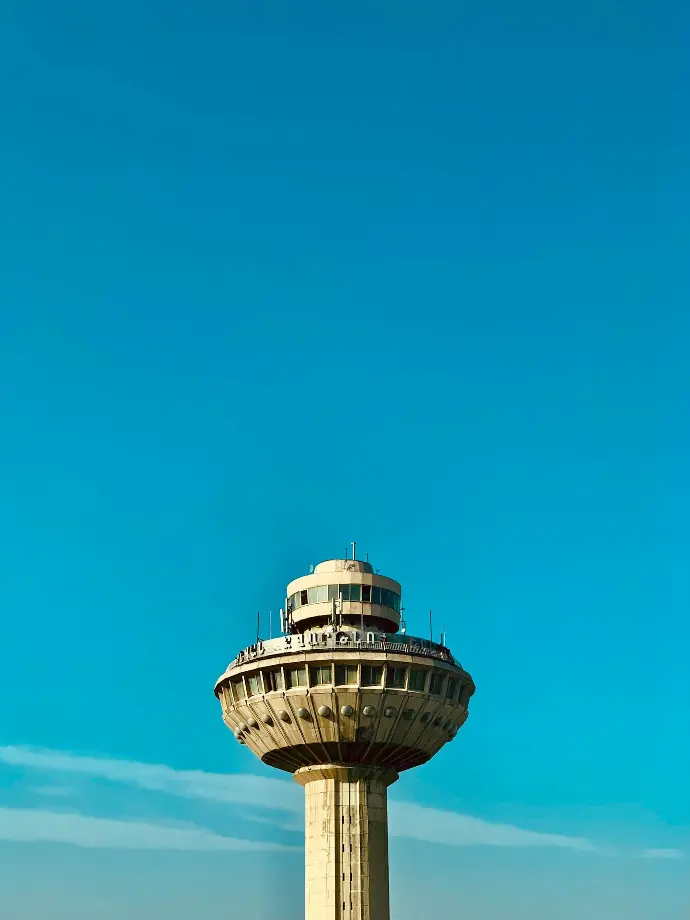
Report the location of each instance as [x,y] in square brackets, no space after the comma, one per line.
[278,276]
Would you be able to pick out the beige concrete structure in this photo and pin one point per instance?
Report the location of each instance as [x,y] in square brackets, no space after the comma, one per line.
[345,702]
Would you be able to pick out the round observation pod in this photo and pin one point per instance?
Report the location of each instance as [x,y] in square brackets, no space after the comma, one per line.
[363,597]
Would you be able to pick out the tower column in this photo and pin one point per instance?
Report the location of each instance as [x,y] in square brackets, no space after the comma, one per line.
[346,841]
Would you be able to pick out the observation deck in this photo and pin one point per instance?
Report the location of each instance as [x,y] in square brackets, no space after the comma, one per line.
[339,689]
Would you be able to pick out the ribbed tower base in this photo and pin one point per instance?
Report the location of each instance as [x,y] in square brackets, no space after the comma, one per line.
[346,841]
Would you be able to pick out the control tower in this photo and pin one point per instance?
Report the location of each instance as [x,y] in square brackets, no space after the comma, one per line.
[345,701]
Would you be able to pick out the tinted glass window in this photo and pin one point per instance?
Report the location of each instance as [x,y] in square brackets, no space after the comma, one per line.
[395,677]
[332,592]
[273,680]
[303,598]
[375,595]
[296,601]
[346,674]
[354,592]
[436,683]
[322,594]
[371,675]
[320,674]
[296,677]
[366,594]
[417,680]
[345,592]
[384,597]
[451,689]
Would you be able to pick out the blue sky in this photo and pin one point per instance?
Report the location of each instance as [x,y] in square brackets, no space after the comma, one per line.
[275,277]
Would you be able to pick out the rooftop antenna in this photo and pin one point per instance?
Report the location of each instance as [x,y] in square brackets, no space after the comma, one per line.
[346,552]
[367,557]
[403,625]
[354,551]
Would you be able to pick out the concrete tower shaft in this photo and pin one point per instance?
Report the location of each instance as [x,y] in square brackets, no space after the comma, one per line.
[345,703]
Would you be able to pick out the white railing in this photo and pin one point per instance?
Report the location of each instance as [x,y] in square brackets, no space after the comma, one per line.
[343,641]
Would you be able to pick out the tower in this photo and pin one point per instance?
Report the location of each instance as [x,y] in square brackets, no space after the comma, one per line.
[345,701]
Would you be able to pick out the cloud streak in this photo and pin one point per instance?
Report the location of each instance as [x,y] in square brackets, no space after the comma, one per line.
[34,825]
[452,829]
[406,819]
[239,789]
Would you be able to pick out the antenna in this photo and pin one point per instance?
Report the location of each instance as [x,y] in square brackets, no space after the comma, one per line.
[354,551]
[346,552]
[367,555]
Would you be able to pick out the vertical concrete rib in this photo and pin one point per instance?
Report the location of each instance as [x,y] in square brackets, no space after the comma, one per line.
[346,842]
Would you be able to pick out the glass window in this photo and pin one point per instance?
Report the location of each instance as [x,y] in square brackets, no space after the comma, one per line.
[295,601]
[346,674]
[333,593]
[436,683]
[451,689]
[320,674]
[354,592]
[303,598]
[371,675]
[273,680]
[322,594]
[395,677]
[384,597]
[396,603]
[254,685]
[375,595]
[366,594]
[345,592]
[238,688]
[417,681]
[296,677]
[311,595]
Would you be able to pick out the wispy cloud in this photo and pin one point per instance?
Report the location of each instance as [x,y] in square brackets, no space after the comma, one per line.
[239,788]
[452,829]
[406,819]
[669,853]
[62,792]
[32,825]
